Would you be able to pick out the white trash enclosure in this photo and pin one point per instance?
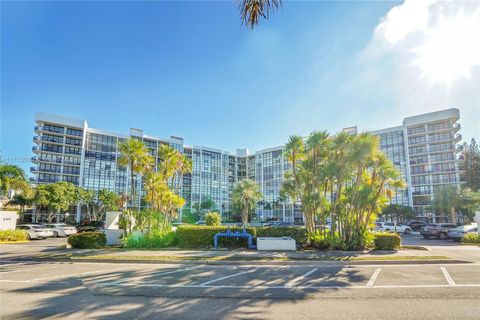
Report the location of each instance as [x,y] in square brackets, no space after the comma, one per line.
[276,243]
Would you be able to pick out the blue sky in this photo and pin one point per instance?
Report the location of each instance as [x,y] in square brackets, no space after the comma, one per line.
[190,69]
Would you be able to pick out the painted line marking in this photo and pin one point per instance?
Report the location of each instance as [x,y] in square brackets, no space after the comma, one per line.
[374,277]
[447,276]
[292,282]
[32,269]
[77,274]
[226,277]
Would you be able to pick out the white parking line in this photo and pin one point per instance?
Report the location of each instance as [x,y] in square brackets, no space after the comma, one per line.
[226,277]
[65,275]
[374,277]
[447,276]
[32,269]
[160,274]
[292,282]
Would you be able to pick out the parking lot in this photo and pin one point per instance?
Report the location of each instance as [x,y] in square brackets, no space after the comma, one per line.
[237,281]
[79,290]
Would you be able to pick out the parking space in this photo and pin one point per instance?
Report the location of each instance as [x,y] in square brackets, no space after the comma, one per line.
[240,281]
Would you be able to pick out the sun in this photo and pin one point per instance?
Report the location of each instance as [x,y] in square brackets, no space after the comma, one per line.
[451,48]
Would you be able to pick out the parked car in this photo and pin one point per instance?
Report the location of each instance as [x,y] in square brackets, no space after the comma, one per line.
[61,229]
[392,227]
[416,225]
[278,224]
[200,223]
[35,231]
[91,226]
[458,233]
[437,230]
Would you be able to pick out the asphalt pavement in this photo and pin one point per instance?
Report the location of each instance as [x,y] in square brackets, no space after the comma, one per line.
[32,289]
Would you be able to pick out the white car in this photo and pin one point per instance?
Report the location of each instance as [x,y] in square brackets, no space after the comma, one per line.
[392,227]
[61,229]
[35,231]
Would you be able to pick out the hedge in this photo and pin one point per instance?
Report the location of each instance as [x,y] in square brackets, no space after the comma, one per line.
[297,233]
[471,237]
[13,235]
[386,241]
[87,240]
[202,236]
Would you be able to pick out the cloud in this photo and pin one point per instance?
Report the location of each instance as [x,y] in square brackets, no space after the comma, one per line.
[424,56]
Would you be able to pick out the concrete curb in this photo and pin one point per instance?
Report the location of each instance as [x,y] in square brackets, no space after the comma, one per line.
[260,262]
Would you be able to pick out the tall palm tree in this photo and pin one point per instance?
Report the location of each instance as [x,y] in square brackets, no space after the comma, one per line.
[252,10]
[12,178]
[135,157]
[246,194]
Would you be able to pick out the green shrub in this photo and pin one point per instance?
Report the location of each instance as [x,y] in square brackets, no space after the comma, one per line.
[87,240]
[202,236]
[213,219]
[297,233]
[328,241]
[13,235]
[386,241]
[471,237]
[154,239]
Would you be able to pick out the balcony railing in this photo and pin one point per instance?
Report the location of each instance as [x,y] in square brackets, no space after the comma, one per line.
[457,137]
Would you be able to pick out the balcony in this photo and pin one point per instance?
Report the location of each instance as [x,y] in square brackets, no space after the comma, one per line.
[457,138]
[33,169]
[32,179]
[457,126]
[35,149]
[39,129]
[459,148]
[39,139]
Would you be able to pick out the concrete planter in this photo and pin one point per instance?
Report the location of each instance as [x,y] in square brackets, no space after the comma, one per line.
[276,243]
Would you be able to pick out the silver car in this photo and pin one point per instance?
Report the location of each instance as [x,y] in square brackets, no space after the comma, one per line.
[35,231]
[458,233]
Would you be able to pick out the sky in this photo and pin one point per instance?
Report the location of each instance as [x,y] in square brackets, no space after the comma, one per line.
[190,69]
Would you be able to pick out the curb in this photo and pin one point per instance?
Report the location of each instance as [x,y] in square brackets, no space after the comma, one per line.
[14,242]
[253,262]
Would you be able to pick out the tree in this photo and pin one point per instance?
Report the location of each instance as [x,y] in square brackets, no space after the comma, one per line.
[98,202]
[398,213]
[21,200]
[163,186]
[446,201]
[213,219]
[56,197]
[345,177]
[252,10]
[471,163]
[12,178]
[246,194]
[135,157]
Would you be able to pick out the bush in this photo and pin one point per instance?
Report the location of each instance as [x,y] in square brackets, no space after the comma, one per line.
[202,236]
[471,237]
[328,242]
[386,241]
[13,235]
[212,219]
[87,240]
[297,233]
[154,239]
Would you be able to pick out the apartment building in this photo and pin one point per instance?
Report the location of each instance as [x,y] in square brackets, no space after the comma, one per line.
[424,149]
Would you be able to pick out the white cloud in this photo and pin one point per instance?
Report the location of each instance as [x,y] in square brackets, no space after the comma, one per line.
[425,56]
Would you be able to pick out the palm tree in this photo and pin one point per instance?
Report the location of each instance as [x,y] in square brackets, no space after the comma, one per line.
[246,194]
[252,10]
[12,178]
[135,157]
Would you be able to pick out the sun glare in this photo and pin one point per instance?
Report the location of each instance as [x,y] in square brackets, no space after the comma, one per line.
[451,49]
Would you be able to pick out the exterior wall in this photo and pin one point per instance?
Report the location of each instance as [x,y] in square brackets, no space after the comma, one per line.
[423,149]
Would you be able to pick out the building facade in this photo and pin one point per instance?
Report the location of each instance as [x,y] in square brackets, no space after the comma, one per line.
[424,149]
